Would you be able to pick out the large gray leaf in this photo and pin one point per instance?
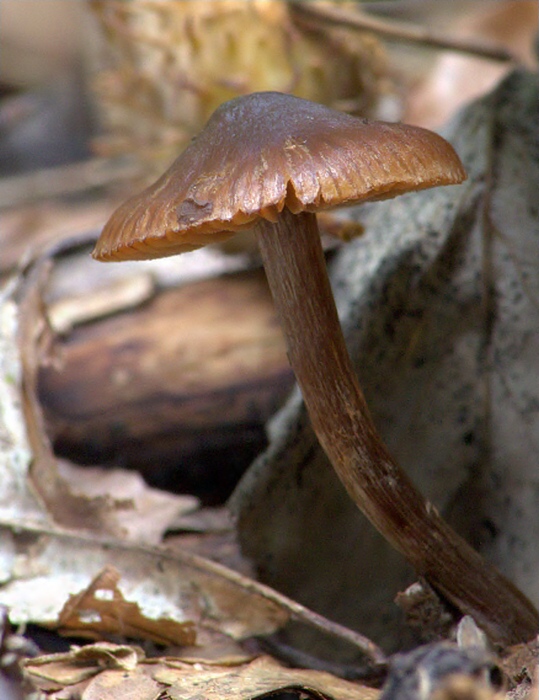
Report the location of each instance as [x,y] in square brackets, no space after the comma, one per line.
[440,307]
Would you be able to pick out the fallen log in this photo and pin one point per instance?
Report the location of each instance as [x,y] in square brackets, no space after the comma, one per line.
[179,388]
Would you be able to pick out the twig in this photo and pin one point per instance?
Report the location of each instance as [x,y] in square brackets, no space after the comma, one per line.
[299,658]
[65,180]
[400,31]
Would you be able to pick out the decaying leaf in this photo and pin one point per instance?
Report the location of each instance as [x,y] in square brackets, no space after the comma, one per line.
[62,578]
[110,685]
[187,590]
[166,66]
[33,334]
[101,611]
[116,673]
[81,663]
[521,665]
[37,487]
[16,497]
[261,677]
[145,513]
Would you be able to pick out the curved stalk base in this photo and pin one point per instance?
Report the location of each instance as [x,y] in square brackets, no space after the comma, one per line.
[296,271]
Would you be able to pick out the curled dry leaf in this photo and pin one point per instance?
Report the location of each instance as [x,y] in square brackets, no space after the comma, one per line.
[190,592]
[145,513]
[16,498]
[111,677]
[32,337]
[83,662]
[42,564]
[101,611]
[36,486]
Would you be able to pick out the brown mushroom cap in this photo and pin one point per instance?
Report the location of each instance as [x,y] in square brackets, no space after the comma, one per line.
[263,152]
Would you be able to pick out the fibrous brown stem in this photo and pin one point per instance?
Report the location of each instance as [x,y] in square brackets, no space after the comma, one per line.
[296,271]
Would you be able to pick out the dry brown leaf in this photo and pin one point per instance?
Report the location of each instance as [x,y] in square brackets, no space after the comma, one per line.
[145,513]
[67,507]
[29,229]
[68,676]
[261,677]
[112,503]
[215,651]
[42,564]
[115,685]
[454,80]
[184,588]
[521,664]
[120,672]
[83,662]
[101,610]
[59,673]
[51,564]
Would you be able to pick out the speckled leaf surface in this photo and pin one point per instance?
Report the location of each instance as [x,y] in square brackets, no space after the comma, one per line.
[440,307]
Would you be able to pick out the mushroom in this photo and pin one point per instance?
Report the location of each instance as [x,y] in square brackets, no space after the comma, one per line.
[268,161]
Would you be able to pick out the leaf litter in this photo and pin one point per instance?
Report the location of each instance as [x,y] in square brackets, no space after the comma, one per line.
[89,564]
[70,559]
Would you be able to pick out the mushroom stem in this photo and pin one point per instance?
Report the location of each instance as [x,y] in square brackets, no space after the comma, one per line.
[296,270]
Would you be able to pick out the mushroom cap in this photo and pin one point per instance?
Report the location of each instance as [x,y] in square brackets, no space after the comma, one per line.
[265,151]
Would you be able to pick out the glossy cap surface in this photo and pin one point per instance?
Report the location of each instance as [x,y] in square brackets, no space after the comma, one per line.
[263,152]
